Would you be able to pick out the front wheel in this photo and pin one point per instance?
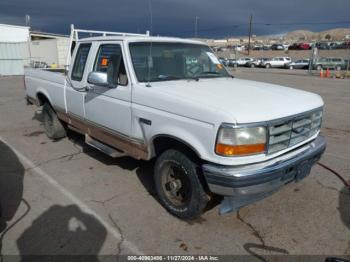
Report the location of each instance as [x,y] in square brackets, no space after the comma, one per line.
[178,185]
[291,67]
[54,129]
[268,66]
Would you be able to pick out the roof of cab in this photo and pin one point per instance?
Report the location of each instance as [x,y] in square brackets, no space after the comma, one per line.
[141,39]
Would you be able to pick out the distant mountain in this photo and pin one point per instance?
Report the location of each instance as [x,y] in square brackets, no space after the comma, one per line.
[334,34]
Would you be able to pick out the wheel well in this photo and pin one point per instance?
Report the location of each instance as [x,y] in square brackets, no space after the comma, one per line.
[162,143]
[42,99]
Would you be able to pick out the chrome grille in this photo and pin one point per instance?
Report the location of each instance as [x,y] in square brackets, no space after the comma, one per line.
[291,131]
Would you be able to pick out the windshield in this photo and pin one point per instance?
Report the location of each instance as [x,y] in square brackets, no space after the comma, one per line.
[172,61]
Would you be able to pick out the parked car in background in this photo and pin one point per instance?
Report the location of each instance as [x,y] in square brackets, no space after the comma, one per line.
[300,46]
[263,60]
[343,45]
[256,62]
[304,46]
[294,46]
[224,61]
[277,47]
[232,62]
[300,64]
[239,48]
[329,62]
[277,62]
[244,60]
[258,47]
[322,46]
[266,47]
[253,63]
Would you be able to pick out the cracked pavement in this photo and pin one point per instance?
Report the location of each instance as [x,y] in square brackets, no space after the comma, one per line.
[311,217]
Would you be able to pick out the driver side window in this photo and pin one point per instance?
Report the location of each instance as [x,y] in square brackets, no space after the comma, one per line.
[109,60]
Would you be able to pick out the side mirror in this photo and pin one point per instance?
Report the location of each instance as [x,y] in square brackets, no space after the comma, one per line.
[98,78]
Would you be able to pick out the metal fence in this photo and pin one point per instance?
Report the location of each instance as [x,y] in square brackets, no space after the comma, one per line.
[13,58]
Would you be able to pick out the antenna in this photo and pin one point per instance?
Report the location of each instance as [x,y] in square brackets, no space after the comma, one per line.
[150,48]
[28,20]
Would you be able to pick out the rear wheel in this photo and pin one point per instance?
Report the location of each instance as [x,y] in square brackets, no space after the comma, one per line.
[54,129]
[291,67]
[252,65]
[178,185]
[267,65]
[319,67]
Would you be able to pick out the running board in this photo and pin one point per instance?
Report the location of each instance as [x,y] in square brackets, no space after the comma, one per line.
[103,147]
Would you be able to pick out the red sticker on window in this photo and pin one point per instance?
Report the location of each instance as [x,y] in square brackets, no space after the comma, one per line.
[104,62]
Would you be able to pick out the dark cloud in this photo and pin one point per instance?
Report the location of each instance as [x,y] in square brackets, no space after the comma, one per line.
[176,17]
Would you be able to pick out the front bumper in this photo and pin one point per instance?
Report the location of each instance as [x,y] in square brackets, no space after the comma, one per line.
[242,185]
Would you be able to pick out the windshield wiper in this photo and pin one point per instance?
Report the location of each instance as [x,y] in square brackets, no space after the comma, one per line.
[172,77]
[209,74]
[168,77]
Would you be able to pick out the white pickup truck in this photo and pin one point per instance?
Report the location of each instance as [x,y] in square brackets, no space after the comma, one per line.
[171,100]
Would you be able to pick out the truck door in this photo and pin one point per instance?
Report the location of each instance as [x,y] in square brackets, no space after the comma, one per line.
[110,106]
[75,91]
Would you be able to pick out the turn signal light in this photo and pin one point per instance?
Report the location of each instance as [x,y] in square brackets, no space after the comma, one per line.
[239,150]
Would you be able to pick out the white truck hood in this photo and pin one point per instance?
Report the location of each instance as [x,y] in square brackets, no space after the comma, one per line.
[246,101]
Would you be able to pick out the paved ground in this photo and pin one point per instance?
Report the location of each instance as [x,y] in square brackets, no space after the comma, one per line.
[67,198]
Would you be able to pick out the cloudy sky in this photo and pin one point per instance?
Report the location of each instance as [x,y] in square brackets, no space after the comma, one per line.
[217,18]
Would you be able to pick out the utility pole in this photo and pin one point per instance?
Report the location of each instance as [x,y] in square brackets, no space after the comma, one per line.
[196,26]
[250,32]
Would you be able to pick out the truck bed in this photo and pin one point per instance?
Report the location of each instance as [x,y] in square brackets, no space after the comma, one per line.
[51,83]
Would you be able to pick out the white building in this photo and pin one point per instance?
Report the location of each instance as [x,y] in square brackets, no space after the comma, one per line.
[14,49]
[19,47]
[49,48]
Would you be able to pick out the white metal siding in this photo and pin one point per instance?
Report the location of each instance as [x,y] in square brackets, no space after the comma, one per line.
[10,33]
[13,57]
[44,51]
[62,49]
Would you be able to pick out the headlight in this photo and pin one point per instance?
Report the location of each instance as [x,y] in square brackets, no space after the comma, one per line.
[240,141]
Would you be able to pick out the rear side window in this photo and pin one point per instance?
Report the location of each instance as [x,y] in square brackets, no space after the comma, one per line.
[80,62]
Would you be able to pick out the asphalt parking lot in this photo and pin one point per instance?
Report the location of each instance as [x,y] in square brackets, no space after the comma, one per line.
[67,198]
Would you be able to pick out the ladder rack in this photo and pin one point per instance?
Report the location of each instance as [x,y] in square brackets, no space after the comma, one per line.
[74,36]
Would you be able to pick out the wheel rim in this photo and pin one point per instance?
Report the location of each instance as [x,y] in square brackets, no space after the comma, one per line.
[175,184]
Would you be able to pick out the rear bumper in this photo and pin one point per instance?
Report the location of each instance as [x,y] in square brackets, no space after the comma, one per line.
[242,185]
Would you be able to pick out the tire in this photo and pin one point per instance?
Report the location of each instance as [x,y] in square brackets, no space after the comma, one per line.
[54,129]
[252,65]
[291,67]
[338,68]
[178,185]
[319,67]
[267,66]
